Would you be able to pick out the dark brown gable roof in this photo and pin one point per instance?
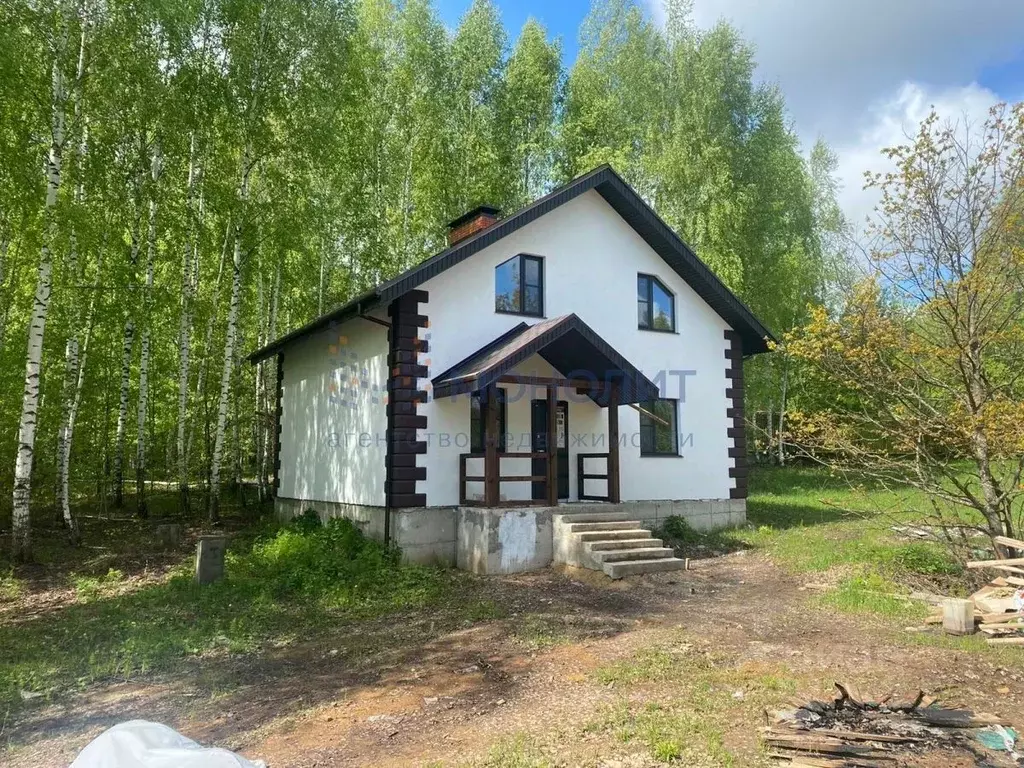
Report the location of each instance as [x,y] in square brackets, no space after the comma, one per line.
[567,343]
[626,202]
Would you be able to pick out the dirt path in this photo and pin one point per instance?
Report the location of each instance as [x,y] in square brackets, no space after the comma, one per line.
[447,701]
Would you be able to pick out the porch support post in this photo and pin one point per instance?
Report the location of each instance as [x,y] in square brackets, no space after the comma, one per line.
[491,468]
[613,445]
[552,446]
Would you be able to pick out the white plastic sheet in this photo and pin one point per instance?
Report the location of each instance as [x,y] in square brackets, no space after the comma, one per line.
[141,744]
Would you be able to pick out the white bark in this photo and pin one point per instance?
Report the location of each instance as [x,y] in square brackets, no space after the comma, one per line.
[20,520]
[269,403]
[140,454]
[127,344]
[73,366]
[185,329]
[5,244]
[208,336]
[229,347]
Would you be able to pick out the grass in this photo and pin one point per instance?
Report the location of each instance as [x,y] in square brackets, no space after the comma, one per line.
[286,584]
[816,525]
[676,699]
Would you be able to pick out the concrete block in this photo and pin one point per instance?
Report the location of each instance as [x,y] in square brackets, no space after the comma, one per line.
[510,540]
[210,553]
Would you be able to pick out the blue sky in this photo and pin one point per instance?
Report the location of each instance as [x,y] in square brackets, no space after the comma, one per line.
[860,74]
[561,17]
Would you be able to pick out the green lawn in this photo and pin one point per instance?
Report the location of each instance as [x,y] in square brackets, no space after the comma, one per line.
[823,527]
[286,584]
[304,580]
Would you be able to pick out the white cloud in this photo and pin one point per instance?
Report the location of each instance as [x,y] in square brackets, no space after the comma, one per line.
[890,121]
[863,74]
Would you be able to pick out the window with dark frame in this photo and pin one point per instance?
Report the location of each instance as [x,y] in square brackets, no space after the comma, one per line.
[519,286]
[655,305]
[659,435]
[478,422]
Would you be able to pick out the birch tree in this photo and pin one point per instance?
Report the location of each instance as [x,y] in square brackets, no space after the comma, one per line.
[20,527]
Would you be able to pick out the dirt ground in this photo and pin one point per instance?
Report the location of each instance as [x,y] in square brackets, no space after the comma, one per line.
[448,700]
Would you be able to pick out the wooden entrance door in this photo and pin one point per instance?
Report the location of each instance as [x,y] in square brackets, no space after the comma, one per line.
[539,429]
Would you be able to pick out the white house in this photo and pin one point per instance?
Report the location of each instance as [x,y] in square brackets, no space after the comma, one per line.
[424,410]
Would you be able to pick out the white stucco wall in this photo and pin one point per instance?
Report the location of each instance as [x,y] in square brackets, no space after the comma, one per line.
[334,416]
[591,260]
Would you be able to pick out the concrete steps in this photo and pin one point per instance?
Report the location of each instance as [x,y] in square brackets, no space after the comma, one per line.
[605,556]
[634,567]
[610,542]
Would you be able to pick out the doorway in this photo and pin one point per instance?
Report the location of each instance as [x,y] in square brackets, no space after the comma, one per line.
[539,444]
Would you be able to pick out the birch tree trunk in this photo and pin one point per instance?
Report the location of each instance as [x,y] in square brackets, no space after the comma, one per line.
[782,412]
[268,422]
[142,509]
[68,427]
[20,520]
[185,329]
[5,244]
[128,342]
[73,366]
[229,347]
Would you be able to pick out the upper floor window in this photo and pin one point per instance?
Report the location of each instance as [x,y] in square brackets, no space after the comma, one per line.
[655,305]
[519,286]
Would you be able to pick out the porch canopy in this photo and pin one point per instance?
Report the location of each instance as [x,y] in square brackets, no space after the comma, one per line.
[588,364]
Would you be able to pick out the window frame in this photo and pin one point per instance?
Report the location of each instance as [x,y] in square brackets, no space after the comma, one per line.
[649,300]
[477,436]
[523,285]
[647,405]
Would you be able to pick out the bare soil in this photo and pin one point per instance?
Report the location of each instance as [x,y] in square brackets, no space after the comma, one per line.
[385,697]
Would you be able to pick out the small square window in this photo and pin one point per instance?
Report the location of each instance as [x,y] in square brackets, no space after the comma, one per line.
[519,286]
[655,304]
[659,435]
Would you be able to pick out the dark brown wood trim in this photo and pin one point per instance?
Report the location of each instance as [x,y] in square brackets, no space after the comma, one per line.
[552,446]
[278,410]
[735,414]
[491,467]
[613,446]
[404,396]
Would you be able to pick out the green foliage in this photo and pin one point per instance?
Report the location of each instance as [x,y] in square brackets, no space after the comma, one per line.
[288,585]
[678,530]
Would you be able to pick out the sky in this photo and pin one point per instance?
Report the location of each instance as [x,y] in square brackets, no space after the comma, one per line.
[860,74]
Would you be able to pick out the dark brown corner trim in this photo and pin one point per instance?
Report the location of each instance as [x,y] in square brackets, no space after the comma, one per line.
[278,408]
[404,397]
[734,413]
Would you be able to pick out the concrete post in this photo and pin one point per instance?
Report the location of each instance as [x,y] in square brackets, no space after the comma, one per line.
[210,559]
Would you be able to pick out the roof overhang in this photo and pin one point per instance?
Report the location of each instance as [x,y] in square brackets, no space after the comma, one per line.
[568,344]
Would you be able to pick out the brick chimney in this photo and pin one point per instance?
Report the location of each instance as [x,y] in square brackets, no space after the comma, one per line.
[468,224]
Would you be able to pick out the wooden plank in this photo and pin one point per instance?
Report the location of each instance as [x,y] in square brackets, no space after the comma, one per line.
[522,479]
[993,563]
[408,473]
[409,500]
[614,495]
[491,468]
[552,446]
[1006,541]
[1006,641]
[546,381]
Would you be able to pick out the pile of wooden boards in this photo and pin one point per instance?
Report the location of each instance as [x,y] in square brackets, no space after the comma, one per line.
[997,605]
[848,733]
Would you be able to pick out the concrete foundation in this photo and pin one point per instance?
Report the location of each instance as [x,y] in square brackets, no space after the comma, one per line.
[426,536]
[504,540]
[500,540]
